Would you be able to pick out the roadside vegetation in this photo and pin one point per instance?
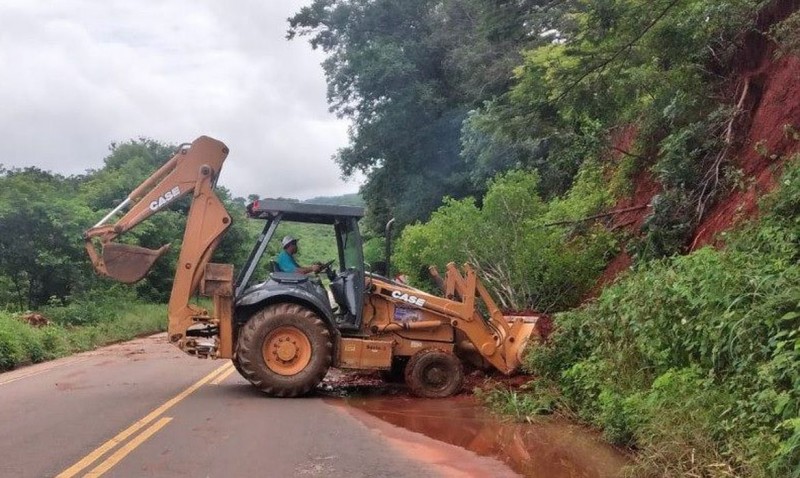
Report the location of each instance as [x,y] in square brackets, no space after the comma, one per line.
[694,361]
[75,328]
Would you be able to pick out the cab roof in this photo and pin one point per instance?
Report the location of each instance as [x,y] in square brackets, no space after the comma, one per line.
[301,212]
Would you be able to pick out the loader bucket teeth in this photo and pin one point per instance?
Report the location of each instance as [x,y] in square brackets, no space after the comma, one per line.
[127,263]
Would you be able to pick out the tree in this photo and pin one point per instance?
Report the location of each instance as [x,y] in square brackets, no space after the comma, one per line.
[406,72]
[40,230]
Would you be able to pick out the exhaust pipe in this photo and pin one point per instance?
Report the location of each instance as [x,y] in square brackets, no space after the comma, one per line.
[387,234]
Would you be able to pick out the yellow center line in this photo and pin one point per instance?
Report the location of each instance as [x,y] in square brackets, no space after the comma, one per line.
[105,447]
[129,447]
[221,377]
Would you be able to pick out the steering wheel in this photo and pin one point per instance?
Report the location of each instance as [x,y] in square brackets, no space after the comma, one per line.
[326,267]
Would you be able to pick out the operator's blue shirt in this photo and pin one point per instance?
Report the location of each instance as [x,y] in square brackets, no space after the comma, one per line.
[286,262]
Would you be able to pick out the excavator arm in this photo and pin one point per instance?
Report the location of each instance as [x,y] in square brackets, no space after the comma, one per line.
[193,170]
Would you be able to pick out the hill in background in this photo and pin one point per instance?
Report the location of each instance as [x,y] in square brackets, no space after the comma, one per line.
[353,199]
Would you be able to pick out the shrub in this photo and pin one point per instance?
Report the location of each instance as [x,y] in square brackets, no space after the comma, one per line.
[786,35]
[10,349]
[525,262]
[695,360]
[21,343]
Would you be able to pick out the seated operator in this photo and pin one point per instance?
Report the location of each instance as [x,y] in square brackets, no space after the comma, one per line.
[286,261]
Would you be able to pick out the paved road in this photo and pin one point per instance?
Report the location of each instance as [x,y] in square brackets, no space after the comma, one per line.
[143,408]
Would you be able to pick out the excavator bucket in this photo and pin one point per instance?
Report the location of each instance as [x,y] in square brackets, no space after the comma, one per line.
[127,263]
[521,334]
[523,331]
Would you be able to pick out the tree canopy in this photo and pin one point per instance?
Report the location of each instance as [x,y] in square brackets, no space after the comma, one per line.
[445,94]
[43,217]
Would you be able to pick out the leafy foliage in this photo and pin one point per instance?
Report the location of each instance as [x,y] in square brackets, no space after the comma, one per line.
[406,72]
[21,343]
[446,94]
[40,233]
[698,353]
[526,263]
[655,64]
[786,34]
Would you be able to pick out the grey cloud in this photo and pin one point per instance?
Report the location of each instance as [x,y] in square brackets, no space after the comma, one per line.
[81,74]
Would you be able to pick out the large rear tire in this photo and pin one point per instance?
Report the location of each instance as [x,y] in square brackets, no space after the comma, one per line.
[432,373]
[285,350]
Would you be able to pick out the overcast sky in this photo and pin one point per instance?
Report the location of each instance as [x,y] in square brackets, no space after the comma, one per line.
[81,74]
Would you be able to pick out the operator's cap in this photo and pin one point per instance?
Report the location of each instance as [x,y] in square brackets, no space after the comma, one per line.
[288,240]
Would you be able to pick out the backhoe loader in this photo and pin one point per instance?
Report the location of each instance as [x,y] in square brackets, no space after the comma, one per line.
[285,331]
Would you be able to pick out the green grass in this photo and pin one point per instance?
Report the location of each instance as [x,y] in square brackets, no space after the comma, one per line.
[22,344]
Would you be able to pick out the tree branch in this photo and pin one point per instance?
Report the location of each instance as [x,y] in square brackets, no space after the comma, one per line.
[619,52]
[627,153]
[598,216]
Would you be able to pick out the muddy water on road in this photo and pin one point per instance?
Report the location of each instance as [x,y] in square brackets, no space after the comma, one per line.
[551,449]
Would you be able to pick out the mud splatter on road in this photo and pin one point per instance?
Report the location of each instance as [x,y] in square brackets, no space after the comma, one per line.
[549,449]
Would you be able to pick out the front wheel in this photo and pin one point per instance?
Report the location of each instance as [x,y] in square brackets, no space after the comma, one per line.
[432,373]
[285,350]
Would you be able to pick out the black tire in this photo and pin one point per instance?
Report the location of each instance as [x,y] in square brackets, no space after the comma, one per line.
[236,365]
[261,327]
[432,373]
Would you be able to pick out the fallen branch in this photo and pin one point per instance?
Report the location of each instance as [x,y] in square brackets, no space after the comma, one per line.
[628,153]
[623,224]
[712,180]
[598,216]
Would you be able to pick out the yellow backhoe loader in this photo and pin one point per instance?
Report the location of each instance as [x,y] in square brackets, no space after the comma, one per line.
[285,332]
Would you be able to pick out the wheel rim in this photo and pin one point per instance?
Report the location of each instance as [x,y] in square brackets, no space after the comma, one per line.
[435,376]
[286,350]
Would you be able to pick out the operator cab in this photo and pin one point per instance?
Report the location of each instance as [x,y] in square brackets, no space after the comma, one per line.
[346,282]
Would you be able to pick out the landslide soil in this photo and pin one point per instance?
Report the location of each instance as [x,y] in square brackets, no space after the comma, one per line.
[765,83]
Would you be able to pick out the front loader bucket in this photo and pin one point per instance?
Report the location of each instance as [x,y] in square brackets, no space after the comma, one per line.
[127,263]
[515,341]
[523,332]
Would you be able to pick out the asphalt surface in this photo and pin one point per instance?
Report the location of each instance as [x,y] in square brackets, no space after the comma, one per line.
[143,408]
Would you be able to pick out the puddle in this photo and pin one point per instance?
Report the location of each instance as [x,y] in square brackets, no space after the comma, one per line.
[551,449]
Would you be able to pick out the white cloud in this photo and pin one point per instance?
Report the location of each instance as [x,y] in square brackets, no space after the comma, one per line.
[80,74]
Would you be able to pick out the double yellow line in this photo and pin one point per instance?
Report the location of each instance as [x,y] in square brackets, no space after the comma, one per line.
[214,377]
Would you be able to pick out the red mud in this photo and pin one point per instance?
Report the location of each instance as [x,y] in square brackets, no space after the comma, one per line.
[548,449]
[644,185]
[775,87]
[35,319]
[644,188]
[771,104]
[458,437]
[350,383]
[766,137]
[619,264]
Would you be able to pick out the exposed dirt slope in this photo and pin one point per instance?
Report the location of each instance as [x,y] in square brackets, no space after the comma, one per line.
[767,87]
[772,121]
